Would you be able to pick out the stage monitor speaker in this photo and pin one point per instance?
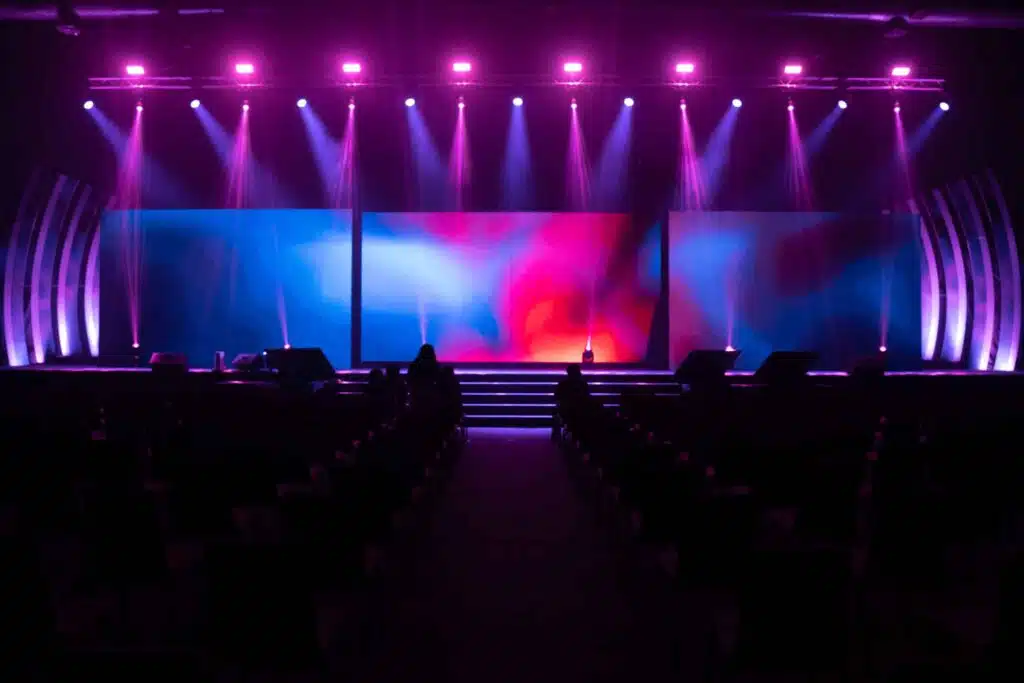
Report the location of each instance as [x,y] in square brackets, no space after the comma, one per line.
[167,363]
[248,362]
[706,366]
[785,367]
[300,365]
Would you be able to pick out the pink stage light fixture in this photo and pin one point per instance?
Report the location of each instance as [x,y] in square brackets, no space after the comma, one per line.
[135,70]
[842,104]
[245,107]
[352,105]
[682,105]
[351,68]
[573,67]
[462,67]
[87,105]
[900,71]
[882,349]
[896,108]
[685,68]
[793,69]
[790,106]
[462,103]
[245,69]
[572,104]
[944,106]
[138,107]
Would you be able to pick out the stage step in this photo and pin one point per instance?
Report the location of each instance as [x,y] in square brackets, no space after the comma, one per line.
[501,397]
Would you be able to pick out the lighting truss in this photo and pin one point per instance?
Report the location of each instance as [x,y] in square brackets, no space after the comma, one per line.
[897,84]
[821,83]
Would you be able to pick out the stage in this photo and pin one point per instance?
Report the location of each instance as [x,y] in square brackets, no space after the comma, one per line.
[514,396]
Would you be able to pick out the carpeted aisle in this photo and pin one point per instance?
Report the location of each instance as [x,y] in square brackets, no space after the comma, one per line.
[515,580]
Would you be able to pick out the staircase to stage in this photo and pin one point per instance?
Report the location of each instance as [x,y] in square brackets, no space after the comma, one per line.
[526,398]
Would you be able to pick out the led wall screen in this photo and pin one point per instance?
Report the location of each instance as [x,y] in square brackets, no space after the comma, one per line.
[228,280]
[837,284]
[508,287]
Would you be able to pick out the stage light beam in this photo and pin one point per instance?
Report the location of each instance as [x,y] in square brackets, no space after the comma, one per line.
[790,107]
[138,107]
[572,104]
[517,101]
[896,108]
[88,104]
[245,107]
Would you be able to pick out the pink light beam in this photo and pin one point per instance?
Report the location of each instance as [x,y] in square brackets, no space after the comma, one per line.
[692,185]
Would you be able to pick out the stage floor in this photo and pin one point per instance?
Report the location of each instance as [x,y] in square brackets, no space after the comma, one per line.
[470,372]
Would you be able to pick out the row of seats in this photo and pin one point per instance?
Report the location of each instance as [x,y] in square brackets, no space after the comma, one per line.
[215,525]
[821,508]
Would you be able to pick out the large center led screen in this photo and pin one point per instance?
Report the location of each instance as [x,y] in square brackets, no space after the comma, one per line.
[508,287]
[238,281]
[843,286]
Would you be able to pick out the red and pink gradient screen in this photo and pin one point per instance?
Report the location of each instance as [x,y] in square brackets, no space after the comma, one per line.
[508,287]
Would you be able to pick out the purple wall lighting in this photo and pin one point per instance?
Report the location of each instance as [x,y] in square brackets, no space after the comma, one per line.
[51,293]
[971,287]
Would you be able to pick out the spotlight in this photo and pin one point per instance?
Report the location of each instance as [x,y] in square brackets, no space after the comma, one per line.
[245,69]
[135,70]
[842,104]
[517,101]
[900,71]
[352,104]
[729,348]
[462,103]
[790,107]
[682,105]
[944,106]
[302,103]
[462,67]
[896,108]
[245,107]
[135,345]
[138,107]
[572,67]
[287,346]
[792,69]
[351,68]
[572,104]
[882,349]
[87,105]
[410,102]
[685,68]
[194,104]
[737,103]
[628,102]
